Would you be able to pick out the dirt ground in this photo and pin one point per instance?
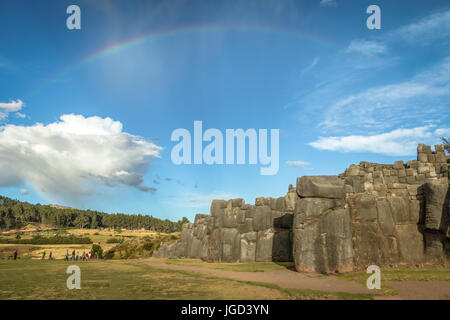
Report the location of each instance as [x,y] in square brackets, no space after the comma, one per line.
[290,279]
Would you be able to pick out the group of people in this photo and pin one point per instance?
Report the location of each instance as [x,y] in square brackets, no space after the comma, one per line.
[84,256]
[74,256]
[50,256]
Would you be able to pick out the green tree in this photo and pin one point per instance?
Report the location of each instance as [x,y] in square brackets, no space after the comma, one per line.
[97,251]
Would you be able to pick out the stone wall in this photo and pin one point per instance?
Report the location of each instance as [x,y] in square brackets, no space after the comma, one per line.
[236,231]
[387,215]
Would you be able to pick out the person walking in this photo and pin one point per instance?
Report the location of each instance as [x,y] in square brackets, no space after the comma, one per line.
[15,255]
[50,256]
[73,255]
[76,257]
[43,255]
[83,256]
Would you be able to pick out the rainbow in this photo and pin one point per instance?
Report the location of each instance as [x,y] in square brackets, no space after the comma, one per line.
[155,36]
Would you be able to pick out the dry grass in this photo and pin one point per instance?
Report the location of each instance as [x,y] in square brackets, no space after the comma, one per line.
[239,267]
[97,236]
[31,279]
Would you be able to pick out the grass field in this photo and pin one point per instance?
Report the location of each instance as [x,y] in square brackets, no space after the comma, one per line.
[33,279]
[132,279]
[425,274]
[240,267]
[97,236]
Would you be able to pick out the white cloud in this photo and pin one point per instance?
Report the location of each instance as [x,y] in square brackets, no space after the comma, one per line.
[328,3]
[399,142]
[20,115]
[433,27]
[297,163]
[200,200]
[7,107]
[24,192]
[424,97]
[71,158]
[442,132]
[366,47]
[311,66]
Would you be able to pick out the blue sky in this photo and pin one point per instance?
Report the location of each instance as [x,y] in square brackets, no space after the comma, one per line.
[91,130]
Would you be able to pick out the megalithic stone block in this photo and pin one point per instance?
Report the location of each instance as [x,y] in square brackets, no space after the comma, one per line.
[331,187]
[435,205]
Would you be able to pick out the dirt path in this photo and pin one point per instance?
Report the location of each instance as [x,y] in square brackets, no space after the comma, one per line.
[283,278]
[420,290]
[434,290]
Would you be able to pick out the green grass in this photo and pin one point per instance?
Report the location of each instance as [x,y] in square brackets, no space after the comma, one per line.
[239,267]
[432,274]
[31,279]
[308,294]
[34,279]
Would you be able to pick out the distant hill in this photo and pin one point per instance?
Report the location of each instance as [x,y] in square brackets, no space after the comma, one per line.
[59,207]
[15,214]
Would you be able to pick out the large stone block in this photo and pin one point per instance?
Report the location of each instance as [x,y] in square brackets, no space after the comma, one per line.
[387,224]
[200,231]
[231,245]
[230,218]
[436,205]
[214,246]
[400,209]
[410,243]
[322,239]
[246,226]
[366,207]
[217,206]
[194,248]
[264,245]
[434,245]
[248,247]
[371,246]
[309,210]
[263,218]
[331,187]
[290,200]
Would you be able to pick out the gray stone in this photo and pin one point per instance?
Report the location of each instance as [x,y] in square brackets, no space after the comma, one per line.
[322,236]
[248,247]
[436,196]
[230,218]
[263,218]
[321,186]
[410,244]
[264,245]
[231,245]
[365,207]
[399,165]
[385,219]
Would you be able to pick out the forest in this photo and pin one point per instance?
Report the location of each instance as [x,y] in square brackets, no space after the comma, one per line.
[15,214]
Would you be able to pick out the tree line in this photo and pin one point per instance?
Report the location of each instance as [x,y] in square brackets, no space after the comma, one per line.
[15,214]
